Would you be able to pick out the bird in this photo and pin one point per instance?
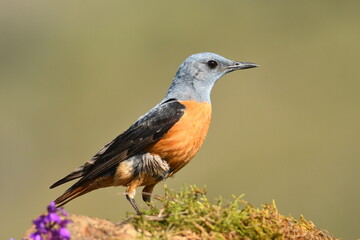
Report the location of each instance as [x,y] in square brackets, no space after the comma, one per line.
[162,141]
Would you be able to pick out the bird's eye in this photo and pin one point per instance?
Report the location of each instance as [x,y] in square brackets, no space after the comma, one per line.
[212,64]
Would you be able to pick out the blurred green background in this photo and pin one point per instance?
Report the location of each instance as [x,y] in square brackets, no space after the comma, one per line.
[73,75]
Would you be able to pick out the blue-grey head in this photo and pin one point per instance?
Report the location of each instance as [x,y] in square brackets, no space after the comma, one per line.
[198,73]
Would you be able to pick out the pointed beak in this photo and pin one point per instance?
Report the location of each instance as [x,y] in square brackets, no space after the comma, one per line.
[241,65]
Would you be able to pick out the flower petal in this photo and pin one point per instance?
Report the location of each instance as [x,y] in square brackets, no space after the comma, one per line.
[64,233]
[54,217]
[51,208]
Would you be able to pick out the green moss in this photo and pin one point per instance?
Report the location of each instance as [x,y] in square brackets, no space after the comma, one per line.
[190,215]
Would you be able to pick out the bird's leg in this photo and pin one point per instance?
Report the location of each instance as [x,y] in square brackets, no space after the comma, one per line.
[133,203]
[130,196]
[146,193]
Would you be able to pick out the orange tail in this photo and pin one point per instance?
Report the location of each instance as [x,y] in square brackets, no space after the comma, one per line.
[80,188]
[71,194]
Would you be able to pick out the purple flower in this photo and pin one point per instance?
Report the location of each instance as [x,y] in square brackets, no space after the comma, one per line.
[40,223]
[64,233]
[36,236]
[54,217]
[51,226]
[64,222]
[63,212]
[52,208]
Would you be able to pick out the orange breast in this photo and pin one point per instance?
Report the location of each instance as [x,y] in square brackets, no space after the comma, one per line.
[184,139]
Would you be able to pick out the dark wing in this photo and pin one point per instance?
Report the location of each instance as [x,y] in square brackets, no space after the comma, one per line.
[149,129]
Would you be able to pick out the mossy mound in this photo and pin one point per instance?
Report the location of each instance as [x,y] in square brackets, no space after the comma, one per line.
[188,214]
